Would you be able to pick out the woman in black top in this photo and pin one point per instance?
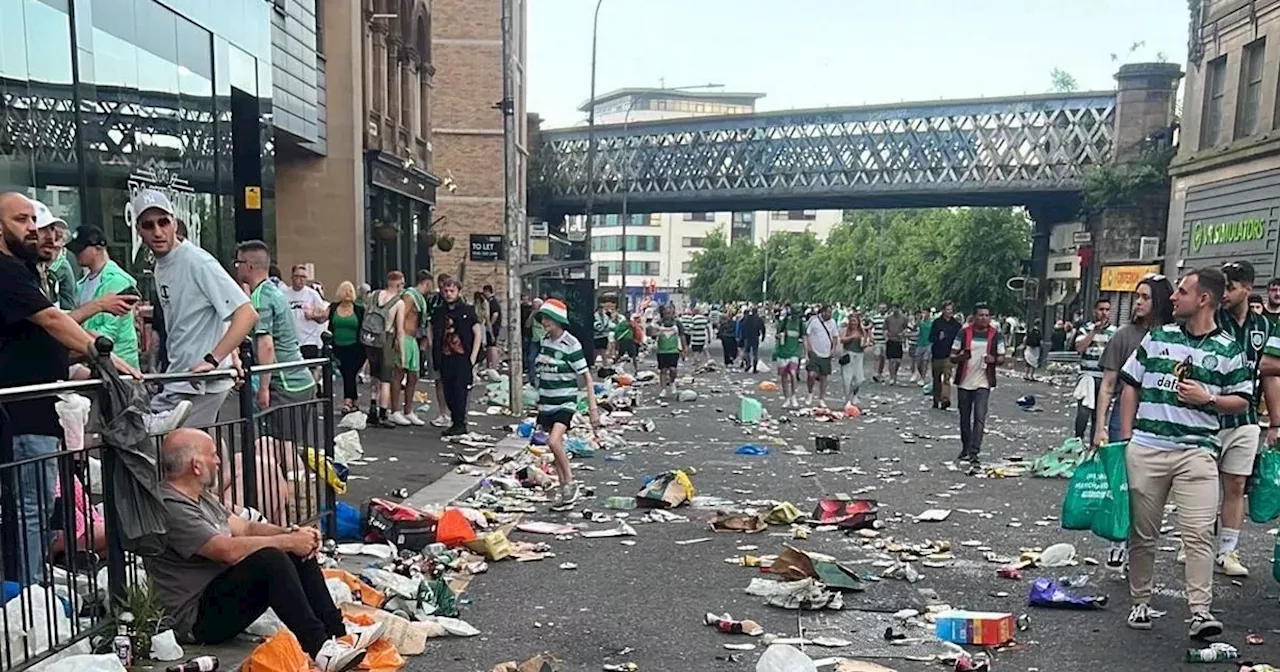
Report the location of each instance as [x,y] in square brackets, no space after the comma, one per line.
[1031,351]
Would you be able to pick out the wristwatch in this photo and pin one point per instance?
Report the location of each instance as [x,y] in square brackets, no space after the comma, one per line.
[213,361]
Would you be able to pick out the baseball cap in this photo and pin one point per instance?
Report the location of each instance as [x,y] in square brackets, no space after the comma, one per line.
[86,237]
[147,199]
[45,216]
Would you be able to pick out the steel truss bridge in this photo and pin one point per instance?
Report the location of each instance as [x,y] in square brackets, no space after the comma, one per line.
[993,151]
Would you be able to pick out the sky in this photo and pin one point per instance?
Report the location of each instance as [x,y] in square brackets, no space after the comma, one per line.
[833,53]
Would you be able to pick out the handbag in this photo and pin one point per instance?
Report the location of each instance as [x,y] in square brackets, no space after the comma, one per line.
[846,357]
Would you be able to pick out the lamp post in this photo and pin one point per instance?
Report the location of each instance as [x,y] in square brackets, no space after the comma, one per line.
[591,132]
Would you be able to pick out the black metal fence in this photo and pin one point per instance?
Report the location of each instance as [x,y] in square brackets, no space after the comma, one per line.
[64,572]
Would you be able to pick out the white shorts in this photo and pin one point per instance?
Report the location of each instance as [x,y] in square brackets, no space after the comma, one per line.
[878,349]
[1239,448]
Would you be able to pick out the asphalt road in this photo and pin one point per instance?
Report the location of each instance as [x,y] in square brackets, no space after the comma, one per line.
[644,603]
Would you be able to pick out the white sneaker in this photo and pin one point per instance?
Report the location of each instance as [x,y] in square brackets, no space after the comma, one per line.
[662,394]
[399,418]
[808,401]
[822,403]
[1229,564]
[337,656]
[795,403]
[440,421]
[364,636]
[415,420]
[167,421]
[569,494]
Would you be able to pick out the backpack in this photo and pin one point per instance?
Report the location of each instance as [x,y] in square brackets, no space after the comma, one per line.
[373,330]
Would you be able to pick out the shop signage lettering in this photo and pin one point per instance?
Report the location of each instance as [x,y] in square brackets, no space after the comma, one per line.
[486,247]
[1222,233]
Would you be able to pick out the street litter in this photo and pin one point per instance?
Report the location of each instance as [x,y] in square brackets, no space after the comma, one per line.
[540,527]
[739,523]
[975,628]
[785,658]
[725,623]
[743,646]
[1057,555]
[687,542]
[666,490]
[826,445]
[1047,592]
[751,449]
[933,515]
[808,594]
[845,511]
[783,513]
[622,530]
[568,565]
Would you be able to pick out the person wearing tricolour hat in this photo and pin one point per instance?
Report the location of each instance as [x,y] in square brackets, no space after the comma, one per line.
[105,281]
[206,313]
[562,370]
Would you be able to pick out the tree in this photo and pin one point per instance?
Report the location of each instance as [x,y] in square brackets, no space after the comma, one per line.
[1063,82]
[917,257]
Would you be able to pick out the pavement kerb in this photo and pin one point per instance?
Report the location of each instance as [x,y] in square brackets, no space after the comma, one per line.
[454,486]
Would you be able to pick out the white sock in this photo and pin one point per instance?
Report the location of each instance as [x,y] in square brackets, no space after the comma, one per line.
[1227,540]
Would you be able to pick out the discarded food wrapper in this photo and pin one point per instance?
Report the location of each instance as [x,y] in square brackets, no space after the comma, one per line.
[538,663]
[767,386]
[622,530]
[1047,592]
[783,513]
[493,545]
[1057,555]
[975,627]
[807,594]
[826,445]
[785,658]
[725,623]
[542,527]
[687,396]
[846,512]
[666,490]
[933,515]
[739,523]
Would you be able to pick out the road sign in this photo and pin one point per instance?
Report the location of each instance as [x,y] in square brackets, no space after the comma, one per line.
[1082,238]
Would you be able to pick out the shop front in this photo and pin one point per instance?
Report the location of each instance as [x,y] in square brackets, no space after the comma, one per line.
[401,198]
[1119,282]
[1232,220]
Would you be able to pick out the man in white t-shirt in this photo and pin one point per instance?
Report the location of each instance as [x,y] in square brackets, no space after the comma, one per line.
[976,351]
[308,310]
[819,344]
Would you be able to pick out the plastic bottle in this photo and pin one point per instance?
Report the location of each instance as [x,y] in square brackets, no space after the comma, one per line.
[1216,653]
[122,645]
[197,664]
[620,503]
[725,623]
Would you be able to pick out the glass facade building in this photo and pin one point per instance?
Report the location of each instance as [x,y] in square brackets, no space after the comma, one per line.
[101,98]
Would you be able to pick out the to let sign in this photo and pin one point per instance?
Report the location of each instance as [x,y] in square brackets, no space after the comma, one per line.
[487,247]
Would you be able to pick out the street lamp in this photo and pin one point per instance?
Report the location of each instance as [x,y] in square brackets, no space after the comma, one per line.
[591,132]
[622,177]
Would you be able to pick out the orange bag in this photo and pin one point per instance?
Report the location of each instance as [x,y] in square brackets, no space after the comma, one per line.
[280,653]
[381,656]
[453,528]
[363,592]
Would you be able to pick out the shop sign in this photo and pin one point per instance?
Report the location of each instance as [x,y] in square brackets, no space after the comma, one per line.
[188,206]
[486,247]
[1125,278]
[1223,233]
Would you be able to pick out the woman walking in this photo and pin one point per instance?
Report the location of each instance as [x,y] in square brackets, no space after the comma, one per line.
[345,317]
[853,341]
[1031,351]
[727,332]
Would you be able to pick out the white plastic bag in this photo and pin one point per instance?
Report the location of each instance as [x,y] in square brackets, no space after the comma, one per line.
[267,624]
[33,621]
[339,592]
[347,447]
[785,658]
[165,647]
[73,415]
[81,662]
[354,420]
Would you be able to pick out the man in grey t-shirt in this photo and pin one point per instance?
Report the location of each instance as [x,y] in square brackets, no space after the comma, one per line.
[206,314]
[218,572]
[895,325]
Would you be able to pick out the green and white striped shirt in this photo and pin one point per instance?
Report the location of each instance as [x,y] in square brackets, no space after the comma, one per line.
[1091,359]
[1256,338]
[699,328]
[1215,361]
[560,362]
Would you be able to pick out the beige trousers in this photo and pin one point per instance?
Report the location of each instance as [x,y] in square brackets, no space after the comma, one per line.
[1190,479]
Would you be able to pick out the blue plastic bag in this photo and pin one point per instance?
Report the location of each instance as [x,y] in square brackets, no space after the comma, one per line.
[347,521]
[751,449]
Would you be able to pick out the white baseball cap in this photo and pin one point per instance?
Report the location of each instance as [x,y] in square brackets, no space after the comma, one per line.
[45,216]
[148,199]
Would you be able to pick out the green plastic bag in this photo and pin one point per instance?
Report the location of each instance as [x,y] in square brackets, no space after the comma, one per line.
[1085,495]
[1264,490]
[1111,522]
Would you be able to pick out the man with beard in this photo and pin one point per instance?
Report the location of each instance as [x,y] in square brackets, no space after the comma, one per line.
[36,339]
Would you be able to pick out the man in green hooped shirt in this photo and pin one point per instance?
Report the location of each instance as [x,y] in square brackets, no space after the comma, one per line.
[786,355]
[623,339]
[669,339]
[276,342]
[924,349]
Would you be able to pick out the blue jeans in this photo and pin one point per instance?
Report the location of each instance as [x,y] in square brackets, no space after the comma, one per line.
[35,481]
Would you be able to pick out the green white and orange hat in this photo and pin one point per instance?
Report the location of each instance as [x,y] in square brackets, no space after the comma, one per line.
[556,310]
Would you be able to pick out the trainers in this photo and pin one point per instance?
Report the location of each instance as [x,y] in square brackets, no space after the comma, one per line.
[399,419]
[786,402]
[569,494]
[167,421]
[415,420]
[455,430]
[822,403]
[1140,617]
[1229,564]
[1182,554]
[1117,556]
[662,394]
[440,421]
[363,636]
[1203,625]
[338,656]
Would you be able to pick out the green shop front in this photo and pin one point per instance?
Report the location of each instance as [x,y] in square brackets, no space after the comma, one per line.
[1233,220]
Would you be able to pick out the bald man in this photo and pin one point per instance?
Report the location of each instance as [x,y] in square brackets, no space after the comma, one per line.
[37,343]
[218,572]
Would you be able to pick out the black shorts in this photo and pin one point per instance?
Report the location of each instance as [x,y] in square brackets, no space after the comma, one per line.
[668,361]
[628,348]
[819,365]
[310,351]
[602,344]
[893,350]
[697,348]
[546,421]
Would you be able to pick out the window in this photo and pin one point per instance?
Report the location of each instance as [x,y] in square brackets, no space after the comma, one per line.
[634,244]
[699,216]
[744,217]
[1215,87]
[1250,88]
[686,267]
[694,242]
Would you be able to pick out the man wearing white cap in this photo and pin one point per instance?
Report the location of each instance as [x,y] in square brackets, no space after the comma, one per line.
[206,314]
[57,279]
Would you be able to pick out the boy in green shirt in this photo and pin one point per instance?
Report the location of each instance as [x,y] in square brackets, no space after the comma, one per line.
[669,337]
[786,356]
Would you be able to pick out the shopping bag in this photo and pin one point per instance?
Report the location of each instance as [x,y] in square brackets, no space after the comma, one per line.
[1264,488]
[1085,495]
[280,653]
[666,491]
[1111,521]
[846,512]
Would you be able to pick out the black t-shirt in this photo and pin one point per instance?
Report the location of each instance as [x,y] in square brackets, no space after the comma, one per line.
[451,334]
[941,334]
[495,309]
[526,329]
[1033,338]
[28,354]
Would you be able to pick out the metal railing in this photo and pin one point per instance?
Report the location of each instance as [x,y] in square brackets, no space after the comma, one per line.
[61,589]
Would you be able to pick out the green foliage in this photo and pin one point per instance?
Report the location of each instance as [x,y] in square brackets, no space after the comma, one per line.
[918,257]
[1062,81]
[141,612]
[1119,184]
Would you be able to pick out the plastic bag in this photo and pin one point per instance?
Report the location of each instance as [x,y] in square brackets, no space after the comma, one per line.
[107,662]
[785,658]
[334,475]
[347,447]
[1085,495]
[27,623]
[1264,491]
[165,647]
[73,415]
[280,653]
[1111,522]
[267,624]
[354,420]
[381,656]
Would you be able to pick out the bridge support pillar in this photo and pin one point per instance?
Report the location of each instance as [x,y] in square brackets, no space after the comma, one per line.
[1047,214]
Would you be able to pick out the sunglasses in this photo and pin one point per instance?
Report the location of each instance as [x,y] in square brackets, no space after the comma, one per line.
[153,224]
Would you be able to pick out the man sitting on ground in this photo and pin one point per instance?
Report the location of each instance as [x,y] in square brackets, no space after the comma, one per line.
[219,573]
